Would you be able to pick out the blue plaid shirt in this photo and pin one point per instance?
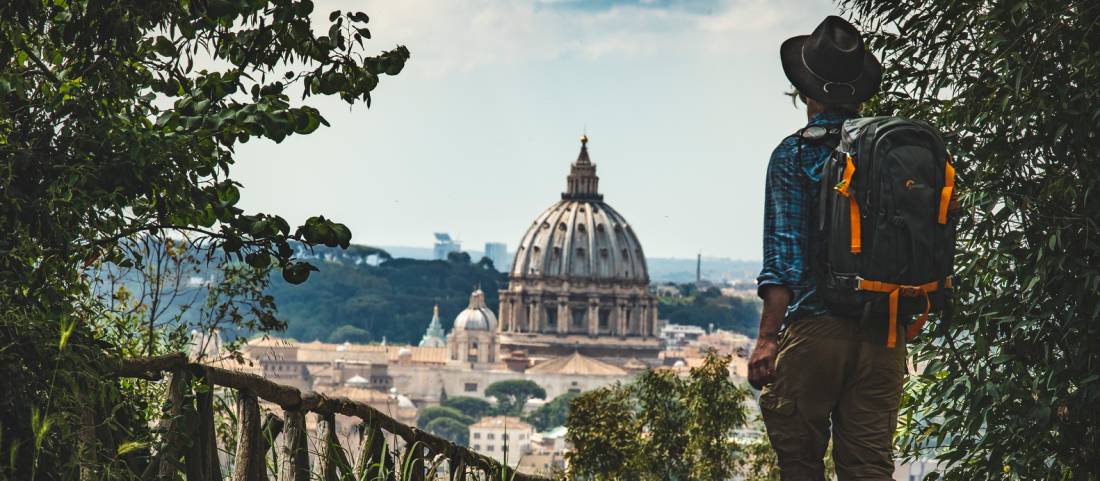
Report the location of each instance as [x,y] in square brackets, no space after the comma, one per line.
[790,217]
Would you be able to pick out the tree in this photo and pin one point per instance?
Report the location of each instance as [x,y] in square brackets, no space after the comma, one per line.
[661,427]
[665,417]
[450,429]
[512,395]
[427,415]
[473,407]
[349,333]
[604,433]
[1009,388]
[552,414]
[715,407]
[109,133]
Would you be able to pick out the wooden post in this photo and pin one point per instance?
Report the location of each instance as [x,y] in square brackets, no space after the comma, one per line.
[166,462]
[271,428]
[372,453]
[330,456]
[86,442]
[295,463]
[457,463]
[413,459]
[201,458]
[249,460]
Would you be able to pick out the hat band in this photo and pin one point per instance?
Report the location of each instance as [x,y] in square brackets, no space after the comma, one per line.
[848,83]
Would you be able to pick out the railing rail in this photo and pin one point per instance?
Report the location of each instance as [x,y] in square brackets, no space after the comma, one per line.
[189,440]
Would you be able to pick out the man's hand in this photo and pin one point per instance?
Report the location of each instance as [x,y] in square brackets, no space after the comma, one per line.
[762,362]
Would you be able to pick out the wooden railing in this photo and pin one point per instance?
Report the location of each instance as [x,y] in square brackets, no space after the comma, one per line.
[189,441]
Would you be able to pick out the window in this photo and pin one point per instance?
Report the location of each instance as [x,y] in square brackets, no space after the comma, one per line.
[477,435]
[489,448]
[477,447]
[470,387]
[504,436]
[578,317]
[605,317]
[490,436]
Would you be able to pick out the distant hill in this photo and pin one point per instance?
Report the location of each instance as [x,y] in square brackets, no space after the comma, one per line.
[364,295]
[352,300]
[661,269]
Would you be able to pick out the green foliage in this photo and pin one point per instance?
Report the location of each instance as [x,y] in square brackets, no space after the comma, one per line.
[393,299]
[660,398]
[450,429]
[715,407]
[661,427]
[1010,388]
[605,435]
[711,307]
[512,395]
[349,333]
[108,133]
[473,407]
[427,415]
[552,414]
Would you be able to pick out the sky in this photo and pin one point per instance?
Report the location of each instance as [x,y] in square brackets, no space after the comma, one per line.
[682,101]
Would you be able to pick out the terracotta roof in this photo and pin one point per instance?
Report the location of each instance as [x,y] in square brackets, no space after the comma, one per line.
[317,351]
[506,422]
[576,364]
[421,355]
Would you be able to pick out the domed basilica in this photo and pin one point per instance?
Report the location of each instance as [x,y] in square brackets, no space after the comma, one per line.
[579,281]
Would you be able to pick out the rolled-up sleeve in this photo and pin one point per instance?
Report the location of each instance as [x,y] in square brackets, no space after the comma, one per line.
[785,219]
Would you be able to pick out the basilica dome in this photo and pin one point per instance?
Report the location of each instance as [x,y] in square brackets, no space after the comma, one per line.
[477,316]
[581,237]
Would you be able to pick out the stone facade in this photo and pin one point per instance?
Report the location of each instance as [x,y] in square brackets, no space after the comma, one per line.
[579,281]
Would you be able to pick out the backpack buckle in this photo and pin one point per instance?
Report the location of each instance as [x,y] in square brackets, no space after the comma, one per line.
[910,291]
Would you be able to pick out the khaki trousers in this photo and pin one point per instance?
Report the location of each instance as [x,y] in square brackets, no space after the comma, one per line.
[830,372]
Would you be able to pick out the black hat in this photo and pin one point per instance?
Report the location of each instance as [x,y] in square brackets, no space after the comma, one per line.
[831,64]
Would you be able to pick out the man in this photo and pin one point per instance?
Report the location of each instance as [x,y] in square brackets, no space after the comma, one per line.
[820,370]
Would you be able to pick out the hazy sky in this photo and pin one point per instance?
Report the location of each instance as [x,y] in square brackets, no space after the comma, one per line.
[682,101]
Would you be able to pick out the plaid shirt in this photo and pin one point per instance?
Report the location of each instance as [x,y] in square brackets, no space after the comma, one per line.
[790,216]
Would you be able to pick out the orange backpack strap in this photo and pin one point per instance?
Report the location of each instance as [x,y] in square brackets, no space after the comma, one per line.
[853,207]
[948,188]
[897,290]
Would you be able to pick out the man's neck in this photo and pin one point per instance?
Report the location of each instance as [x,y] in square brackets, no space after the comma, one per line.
[813,108]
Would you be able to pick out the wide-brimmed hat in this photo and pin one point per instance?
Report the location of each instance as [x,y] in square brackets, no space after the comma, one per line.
[831,65]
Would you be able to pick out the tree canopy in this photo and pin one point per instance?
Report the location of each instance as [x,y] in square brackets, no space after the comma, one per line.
[1010,387]
[431,413]
[473,407]
[661,427]
[120,120]
[552,414]
[512,395]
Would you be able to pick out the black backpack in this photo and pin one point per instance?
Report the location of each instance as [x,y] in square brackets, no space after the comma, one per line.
[886,222]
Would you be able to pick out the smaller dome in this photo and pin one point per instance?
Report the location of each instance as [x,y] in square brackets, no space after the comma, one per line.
[477,316]
[404,352]
[357,381]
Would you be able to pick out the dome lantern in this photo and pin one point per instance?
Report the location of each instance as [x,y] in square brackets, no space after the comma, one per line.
[582,182]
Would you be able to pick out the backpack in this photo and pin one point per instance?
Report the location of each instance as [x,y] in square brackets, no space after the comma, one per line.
[888,236]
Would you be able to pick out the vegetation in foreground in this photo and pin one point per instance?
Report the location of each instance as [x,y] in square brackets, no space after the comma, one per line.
[1010,388]
[111,134]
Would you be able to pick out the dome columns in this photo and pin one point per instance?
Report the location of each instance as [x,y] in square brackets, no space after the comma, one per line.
[564,317]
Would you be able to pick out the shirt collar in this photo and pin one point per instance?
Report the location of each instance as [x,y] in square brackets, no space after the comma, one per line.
[831,117]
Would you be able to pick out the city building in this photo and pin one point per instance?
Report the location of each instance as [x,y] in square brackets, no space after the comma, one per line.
[434,337]
[498,253]
[679,335]
[579,281]
[444,245]
[474,339]
[504,438]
